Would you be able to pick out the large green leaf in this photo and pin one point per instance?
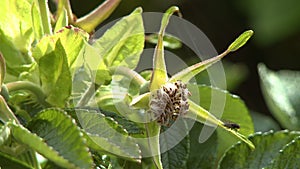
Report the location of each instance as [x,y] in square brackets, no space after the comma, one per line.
[289,156]
[122,44]
[15,23]
[202,155]
[279,92]
[72,39]
[177,156]
[56,77]
[8,161]
[57,138]
[234,111]
[104,134]
[268,146]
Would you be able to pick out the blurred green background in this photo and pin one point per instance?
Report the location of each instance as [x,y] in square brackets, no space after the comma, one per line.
[276,41]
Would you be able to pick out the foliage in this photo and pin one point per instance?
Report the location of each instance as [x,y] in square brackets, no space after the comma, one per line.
[78,103]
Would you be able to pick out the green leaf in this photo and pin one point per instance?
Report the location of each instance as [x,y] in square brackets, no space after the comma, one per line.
[202,155]
[56,77]
[268,146]
[122,44]
[240,41]
[279,92]
[72,39]
[264,123]
[7,161]
[234,111]
[159,75]
[288,156]
[170,41]
[36,22]
[15,24]
[62,20]
[177,156]
[104,134]
[59,139]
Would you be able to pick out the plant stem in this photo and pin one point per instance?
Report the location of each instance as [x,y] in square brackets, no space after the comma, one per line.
[28,86]
[45,15]
[5,113]
[93,19]
[131,74]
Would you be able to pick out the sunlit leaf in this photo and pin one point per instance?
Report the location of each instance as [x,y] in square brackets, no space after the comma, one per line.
[62,20]
[56,77]
[72,40]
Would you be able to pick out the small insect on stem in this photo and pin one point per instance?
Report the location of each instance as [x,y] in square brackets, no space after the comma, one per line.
[232,126]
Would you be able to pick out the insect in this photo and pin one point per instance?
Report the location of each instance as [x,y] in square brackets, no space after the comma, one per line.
[232,126]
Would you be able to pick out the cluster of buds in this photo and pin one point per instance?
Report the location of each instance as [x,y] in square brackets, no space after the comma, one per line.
[169,102]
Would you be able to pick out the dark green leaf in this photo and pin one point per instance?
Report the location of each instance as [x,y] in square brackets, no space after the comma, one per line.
[10,162]
[56,77]
[289,156]
[202,155]
[104,134]
[177,156]
[279,92]
[59,139]
[267,148]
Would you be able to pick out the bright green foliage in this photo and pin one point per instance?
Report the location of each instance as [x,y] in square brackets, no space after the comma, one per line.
[268,147]
[56,77]
[279,92]
[103,101]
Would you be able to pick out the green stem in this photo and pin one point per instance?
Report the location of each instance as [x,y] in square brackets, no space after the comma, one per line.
[28,86]
[5,113]
[45,15]
[93,19]
[131,74]
[69,12]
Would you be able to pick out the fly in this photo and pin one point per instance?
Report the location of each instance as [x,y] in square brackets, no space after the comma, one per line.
[232,126]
